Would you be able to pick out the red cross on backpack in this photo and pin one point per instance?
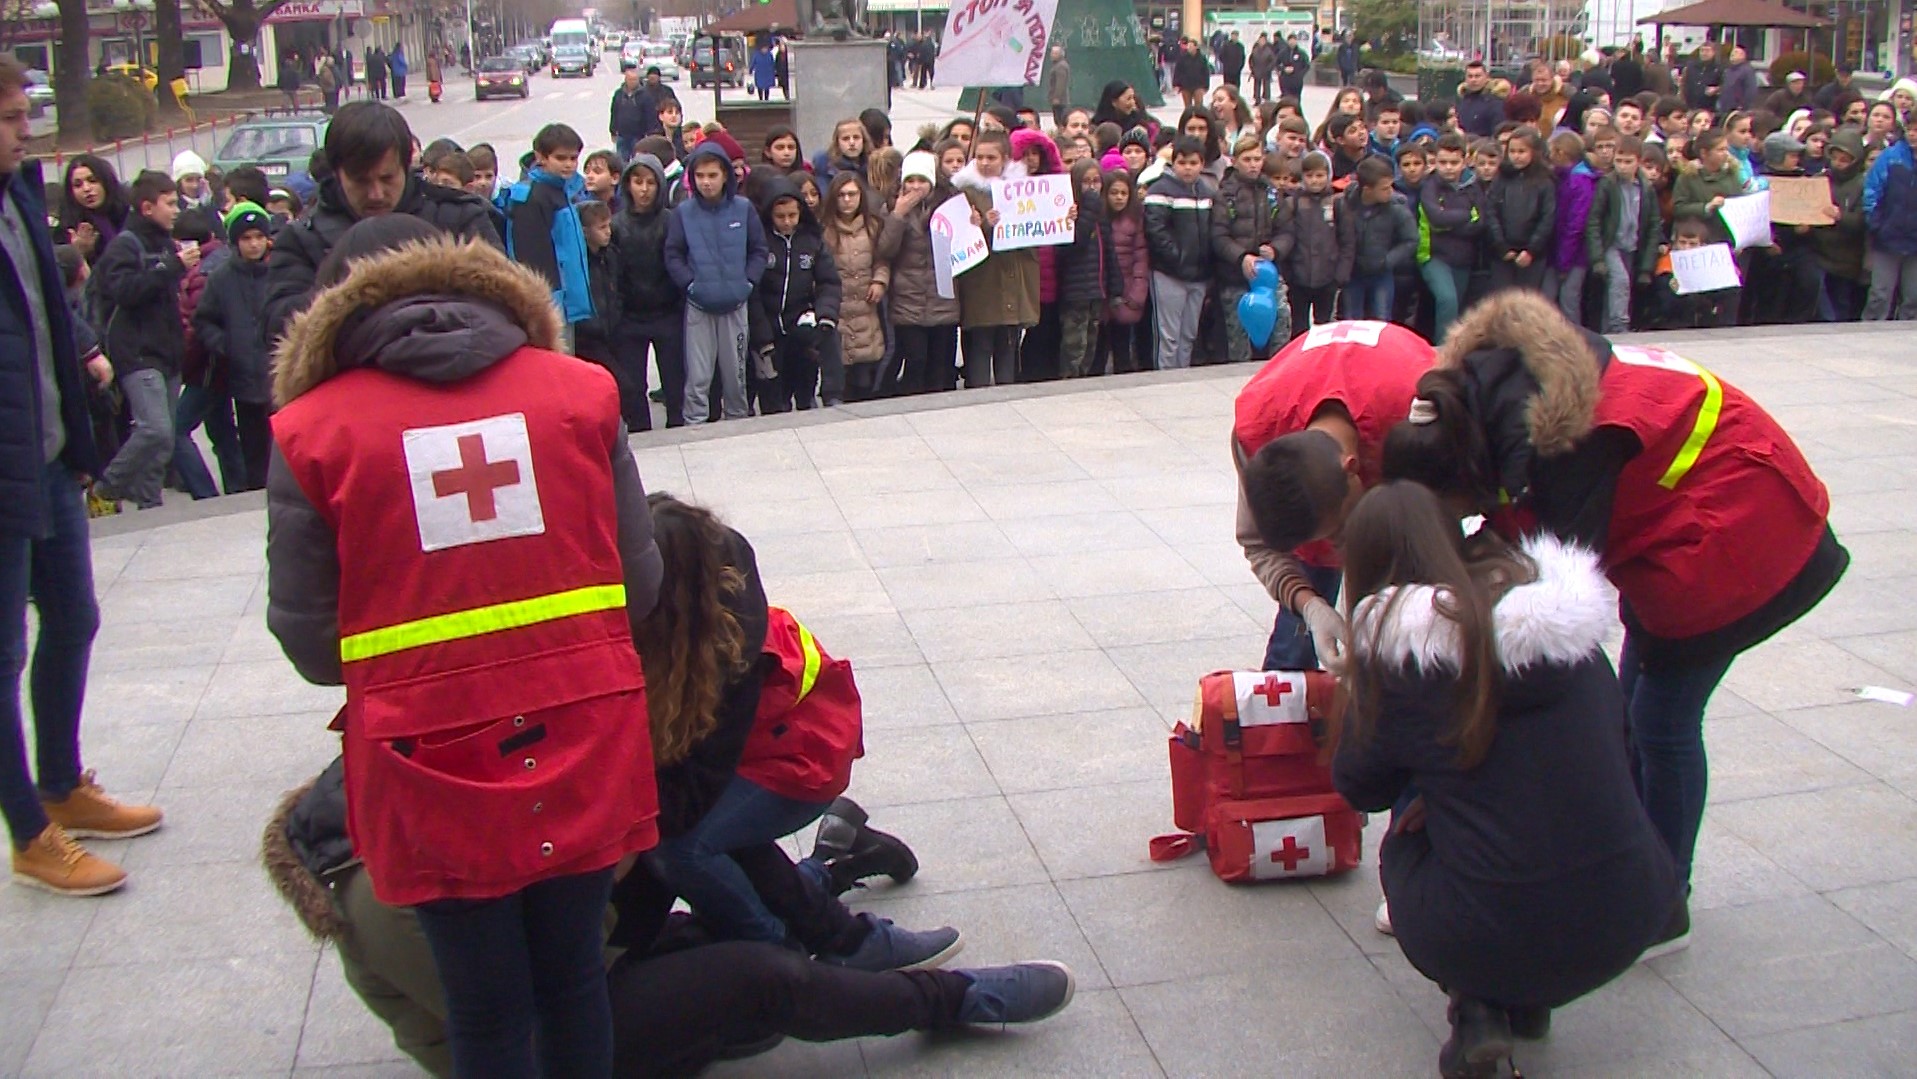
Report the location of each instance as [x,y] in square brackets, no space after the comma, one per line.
[1249,785]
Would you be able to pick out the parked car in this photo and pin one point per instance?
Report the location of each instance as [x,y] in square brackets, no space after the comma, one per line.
[279,145]
[721,70]
[541,48]
[615,41]
[528,58]
[146,75]
[574,60]
[660,56]
[501,76]
[39,88]
[633,52]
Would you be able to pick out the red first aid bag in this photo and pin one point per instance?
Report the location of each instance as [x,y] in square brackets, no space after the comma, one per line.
[1248,784]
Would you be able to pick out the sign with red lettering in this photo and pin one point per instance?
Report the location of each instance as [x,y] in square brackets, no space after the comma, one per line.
[995,42]
[316,10]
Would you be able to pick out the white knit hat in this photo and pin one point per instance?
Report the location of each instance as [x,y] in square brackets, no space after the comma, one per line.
[188,163]
[921,164]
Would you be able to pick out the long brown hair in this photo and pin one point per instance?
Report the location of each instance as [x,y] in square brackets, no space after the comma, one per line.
[690,645]
[1400,536]
[868,216]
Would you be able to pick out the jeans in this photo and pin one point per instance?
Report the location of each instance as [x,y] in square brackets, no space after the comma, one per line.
[699,864]
[1370,296]
[1449,285]
[214,408]
[1291,647]
[1843,299]
[715,344]
[526,971]
[137,471]
[1617,290]
[991,355]
[56,573]
[1666,708]
[624,145]
[1891,275]
[1568,286]
[1178,304]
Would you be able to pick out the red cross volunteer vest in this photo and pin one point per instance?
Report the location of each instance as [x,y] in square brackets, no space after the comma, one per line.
[810,726]
[1718,513]
[1371,368]
[495,728]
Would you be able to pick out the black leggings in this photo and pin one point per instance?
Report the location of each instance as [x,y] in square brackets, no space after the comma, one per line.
[929,358]
[675,1014]
[991,355]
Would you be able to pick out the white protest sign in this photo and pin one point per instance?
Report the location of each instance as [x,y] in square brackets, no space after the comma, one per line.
[1749,219]
[957,244]
[1704,269]
[1033,211]
[994,42]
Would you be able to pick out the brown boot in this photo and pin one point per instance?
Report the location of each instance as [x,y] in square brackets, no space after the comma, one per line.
[53,861]
[87,813]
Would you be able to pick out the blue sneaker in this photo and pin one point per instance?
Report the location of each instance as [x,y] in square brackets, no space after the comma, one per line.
[1021,993]
[887,947]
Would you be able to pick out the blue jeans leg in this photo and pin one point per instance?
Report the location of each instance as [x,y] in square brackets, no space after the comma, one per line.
[56,574]
[1370,297]
[698,864]
[525,979]
[188,413]
[1291,647]
[1667,730]
[1448,285]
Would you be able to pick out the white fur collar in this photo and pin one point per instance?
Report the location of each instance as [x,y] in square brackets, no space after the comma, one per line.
[1558,619]
[969,176]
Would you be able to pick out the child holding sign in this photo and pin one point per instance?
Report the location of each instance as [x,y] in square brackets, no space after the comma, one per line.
[999,298]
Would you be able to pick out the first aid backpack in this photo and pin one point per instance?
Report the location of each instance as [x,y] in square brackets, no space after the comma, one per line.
[1250,784]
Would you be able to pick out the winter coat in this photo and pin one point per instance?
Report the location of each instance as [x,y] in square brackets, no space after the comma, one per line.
[1247,215]
[635,114]
[1088,269]
[914,299]
[863,256]
[1600,228]
[229,322]
[22,447]
[138,284]
[1840,248]
[1386,235]
[1695,189]
[396,62]
[1699,76]
[646,290]
[1479,114]
[1264,60]
[1890,200]
[1178,227]
[1002,290]
[1190,71]
[1324,240]
[544,235]
[432,68]
[1451,220]
[800,276]
[602,279]
[1134,266]
[196,367]
[1231,60]
[715,250]
[300,246]
[1537,876]
[1577,187]
[1738,90]
[1523,212]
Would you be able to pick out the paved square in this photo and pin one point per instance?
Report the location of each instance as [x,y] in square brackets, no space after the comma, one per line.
[1028,582]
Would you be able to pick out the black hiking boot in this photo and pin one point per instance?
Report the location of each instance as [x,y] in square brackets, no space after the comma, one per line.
[1480,1040]
[852,852]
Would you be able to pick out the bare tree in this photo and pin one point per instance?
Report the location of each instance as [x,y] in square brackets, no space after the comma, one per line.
[70,73]
[242,19]
[168,36]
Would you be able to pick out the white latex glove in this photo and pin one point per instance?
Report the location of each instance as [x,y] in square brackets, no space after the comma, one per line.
[1329,634]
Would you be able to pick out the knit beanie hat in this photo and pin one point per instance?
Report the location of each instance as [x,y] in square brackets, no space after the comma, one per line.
[921,164]
[188,163]
[1779,146]
[1137,136]
[724,141]
[245,217]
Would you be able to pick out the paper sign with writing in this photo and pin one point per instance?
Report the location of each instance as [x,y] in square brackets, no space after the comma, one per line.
[1705,269]
[995,42]
[1032,212]
[1749,219]
[1801,200]
[957,244]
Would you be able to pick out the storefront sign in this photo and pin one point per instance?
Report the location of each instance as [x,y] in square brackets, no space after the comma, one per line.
[317,10]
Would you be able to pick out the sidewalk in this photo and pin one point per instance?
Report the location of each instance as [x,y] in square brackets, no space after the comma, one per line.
[1029,581]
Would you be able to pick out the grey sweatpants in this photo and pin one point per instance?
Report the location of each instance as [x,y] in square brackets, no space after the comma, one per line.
[138,471]
[715,343]
[1893,287]
[1178,304]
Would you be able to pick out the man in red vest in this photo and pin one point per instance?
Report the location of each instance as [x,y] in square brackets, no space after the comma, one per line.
[1307,439]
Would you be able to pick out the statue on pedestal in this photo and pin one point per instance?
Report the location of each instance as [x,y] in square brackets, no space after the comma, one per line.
[840,20]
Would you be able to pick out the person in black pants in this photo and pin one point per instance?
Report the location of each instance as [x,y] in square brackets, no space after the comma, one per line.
[795,308]
[652,320]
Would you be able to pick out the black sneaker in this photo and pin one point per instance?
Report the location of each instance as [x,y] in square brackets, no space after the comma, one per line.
[887,947]
[1530,1023]
[1021,993]
[852,852]
[1676,936]
[1480,1040]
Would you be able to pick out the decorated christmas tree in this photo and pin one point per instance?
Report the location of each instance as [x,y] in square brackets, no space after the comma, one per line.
[1103,40]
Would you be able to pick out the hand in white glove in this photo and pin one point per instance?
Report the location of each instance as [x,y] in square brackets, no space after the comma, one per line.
[762,365]
[1329,634]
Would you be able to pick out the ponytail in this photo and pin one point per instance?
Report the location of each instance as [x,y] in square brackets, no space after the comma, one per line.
[1440,444]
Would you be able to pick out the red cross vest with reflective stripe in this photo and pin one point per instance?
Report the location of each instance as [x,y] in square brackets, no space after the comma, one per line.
[1718,513]
[810,726]
[495,727]
[1375,383]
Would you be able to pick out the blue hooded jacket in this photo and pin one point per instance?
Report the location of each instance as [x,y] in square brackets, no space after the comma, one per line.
[554,245]
[715,249]
[1890,200]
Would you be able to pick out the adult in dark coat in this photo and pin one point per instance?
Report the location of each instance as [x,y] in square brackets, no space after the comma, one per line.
[1739,90]
[1479,111]
[1703,78]
[1191,74]
[1627,74]
[1231,60]
[1294,65]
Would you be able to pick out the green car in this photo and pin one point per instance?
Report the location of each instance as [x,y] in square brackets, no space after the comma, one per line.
[279,145]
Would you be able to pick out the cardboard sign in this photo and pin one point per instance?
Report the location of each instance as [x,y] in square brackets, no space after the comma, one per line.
[1705,269]
[957,244]
[1801,200]
[1033,211]
[1749,219]
[994,42]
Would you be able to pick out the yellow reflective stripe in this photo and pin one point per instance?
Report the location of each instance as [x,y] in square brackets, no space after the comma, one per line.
[478,621]
[812,662]
[1693,447]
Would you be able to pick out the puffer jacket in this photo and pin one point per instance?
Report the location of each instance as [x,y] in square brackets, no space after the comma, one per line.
[1247,215]
[1523,212]
[1890,201]
[1577,188]
[1178,227]
[1386,234]
[646,290]
[914,299]
[1135,266]
[863,254]
[1002,290]
[800,274]
[1451,220]
[715,250]
[1088,269]
[1324,240]
[196,367]
[230,323]
[139,277]
[1695,189]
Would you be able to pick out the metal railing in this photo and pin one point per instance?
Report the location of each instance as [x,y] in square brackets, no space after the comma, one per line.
[156,149]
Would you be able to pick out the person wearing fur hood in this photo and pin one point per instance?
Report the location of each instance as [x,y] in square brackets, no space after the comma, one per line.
[1663,469]
[1520,870]
[1000,298]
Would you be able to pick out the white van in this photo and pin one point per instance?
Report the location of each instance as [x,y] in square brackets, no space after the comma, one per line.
[573,51]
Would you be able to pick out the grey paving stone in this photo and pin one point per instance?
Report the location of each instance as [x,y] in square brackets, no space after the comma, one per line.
[1796,672]
[1001,925]
[896,697]
[251,642]
[1889,910]
[145,695]
[126,646]
[1167,674]
[1875,1048]
[1756,756]
[238,555]
[869,641]
[1728,871]
[798,1060]
[763,521]
[1150,568]
[281,751]
[1040,685]
[177,1017]
[732,486]
[852,591]
[1098,831]
[1188,488]
[222,822]
[1877,737]
[391,1069]
[1045,465]
[264,688]
[1025,501]
[130,756]
[1094,1038]
[963,584]
[40,931]
[928,545]
[340,1030]
[909,508]
[1867,843]
[169,601]
[1721,1061]
[925,764]
[963,845]
[866,446]
[810,552]
[26,996]
[1856,607]
[248,919]
[992,630]
[1071,536]
[1074,750]
[1128,619]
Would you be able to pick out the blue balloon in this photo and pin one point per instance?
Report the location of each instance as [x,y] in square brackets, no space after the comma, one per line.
[1264,277]
[1258,314]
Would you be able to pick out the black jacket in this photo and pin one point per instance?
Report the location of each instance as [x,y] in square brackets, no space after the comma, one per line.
[1537,876]
[1190,71]
[646,291]
[1247,215]
[230,323]
[1088,268]
[138,284]
[1523,213]
[1479,114]
[602,280]
[1451,220]
[1178,227]
[634,115]
[800,275]
[300,247]
[1324,240]
[1386,234]
[22,468]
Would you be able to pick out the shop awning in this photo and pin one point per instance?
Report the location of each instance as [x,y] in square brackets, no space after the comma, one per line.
[1766,13]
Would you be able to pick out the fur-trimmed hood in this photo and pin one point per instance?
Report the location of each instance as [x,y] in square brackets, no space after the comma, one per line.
[289,874]
[1565,362]
[441,303]
[1558,619]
